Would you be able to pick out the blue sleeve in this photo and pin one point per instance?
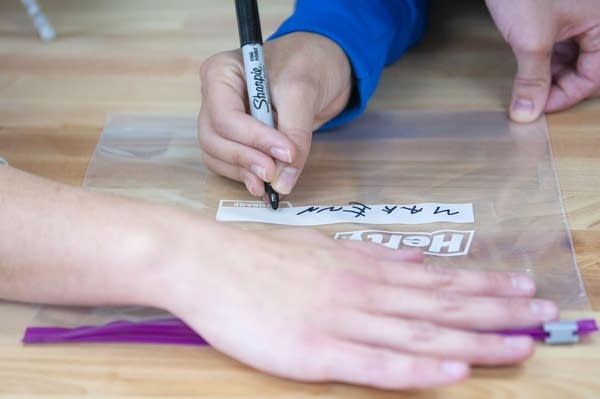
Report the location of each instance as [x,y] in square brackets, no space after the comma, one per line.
[372,33]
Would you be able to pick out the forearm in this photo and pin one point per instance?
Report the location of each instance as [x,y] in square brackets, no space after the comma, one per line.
[64,245]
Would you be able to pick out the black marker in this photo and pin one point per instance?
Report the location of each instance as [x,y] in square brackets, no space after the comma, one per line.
[256,74]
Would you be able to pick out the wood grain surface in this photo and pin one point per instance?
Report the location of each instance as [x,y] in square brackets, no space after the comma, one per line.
[143,55]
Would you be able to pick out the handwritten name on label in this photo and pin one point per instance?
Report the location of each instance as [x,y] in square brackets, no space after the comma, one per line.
[354,212]
[437,243]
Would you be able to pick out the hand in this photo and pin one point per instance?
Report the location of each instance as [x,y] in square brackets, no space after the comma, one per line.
[301,305]
[310,82]
[293,303]
[557,46]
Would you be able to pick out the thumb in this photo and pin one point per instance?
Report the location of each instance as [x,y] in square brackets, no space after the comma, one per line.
[295,119]
[531,86]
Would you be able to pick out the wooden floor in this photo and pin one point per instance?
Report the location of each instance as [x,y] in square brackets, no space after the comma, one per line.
[143,55]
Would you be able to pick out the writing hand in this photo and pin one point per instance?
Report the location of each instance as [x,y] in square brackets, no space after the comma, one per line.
[557,46]
[309,77]
[300,305]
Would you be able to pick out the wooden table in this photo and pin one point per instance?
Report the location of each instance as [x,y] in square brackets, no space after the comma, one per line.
[136,55]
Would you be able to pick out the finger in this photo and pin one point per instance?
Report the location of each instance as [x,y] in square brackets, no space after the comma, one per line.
[428,339]
[254,162]
[238,154]
[253,183]
[531,84]
[576,84]
[230,120]
[386,369]
[454,310]
[295,106]
[460,281]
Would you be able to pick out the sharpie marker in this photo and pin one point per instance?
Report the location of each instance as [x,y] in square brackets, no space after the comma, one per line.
[256,75]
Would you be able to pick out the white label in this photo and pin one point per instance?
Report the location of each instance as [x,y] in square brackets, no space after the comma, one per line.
[354,212]
[437,243]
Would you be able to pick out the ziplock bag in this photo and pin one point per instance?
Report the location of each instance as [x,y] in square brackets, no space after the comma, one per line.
[471,189]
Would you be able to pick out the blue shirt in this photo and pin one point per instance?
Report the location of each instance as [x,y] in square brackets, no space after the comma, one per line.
[372,33]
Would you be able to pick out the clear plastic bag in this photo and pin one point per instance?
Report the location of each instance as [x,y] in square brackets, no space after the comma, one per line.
[401,158]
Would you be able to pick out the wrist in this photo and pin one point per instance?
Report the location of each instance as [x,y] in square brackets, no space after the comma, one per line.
[179,270]
[139,258]
[317,65]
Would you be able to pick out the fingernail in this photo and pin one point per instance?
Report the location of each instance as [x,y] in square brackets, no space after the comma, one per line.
[518,343]
[522,283]
[248,182]
[259,171]
[286,180]
[281,154]
[523,105]
[522,110]
[454,368]
[545,309]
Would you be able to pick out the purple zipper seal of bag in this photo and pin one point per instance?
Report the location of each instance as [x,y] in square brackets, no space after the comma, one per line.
[157,331]
[557,332]
[175,331]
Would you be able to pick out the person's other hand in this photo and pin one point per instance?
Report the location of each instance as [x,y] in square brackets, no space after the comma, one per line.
[301,305]
[310,82]
[557,46]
